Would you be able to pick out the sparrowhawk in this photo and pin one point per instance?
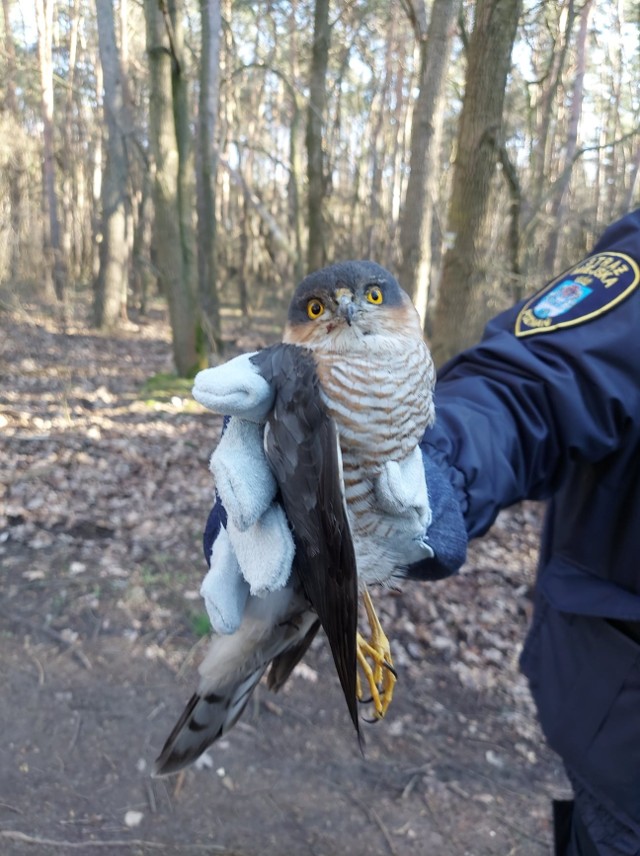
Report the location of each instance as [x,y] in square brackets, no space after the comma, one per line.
[353,382]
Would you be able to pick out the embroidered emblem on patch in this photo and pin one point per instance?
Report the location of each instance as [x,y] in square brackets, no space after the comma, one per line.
[591,288]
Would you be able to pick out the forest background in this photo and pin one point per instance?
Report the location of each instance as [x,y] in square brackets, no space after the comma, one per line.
[168,172]
[217,151]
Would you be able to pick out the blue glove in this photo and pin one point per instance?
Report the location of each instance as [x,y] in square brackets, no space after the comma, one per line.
[447,534]
[250,548]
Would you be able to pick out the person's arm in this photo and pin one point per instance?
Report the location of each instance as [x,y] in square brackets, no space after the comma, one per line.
[555,379]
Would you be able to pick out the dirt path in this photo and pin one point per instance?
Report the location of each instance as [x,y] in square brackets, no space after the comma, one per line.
[104,488]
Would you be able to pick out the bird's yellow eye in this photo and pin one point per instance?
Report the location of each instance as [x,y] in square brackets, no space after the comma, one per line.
[315,308]
[374,295]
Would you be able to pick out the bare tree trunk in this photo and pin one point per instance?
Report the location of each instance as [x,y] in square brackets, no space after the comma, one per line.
[122,38]
[562,185]
[426,134]
[399,156]
[96,183]
[110,295]
[208,163]
[515,206]
[377,223]
[174,22]
[552,76]
[17,166]
[68,158]
[245,255]
[173,253]
[295,172]
[316,255]
[296,219]
[633,180]
[141,249]
[55,263]
[460,313]
[613,169]
[124,45]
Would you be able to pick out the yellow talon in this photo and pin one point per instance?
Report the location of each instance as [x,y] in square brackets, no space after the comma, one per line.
[381,678]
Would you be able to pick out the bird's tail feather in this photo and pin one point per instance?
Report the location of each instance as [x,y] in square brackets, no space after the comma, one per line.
[272,627]
[204,720]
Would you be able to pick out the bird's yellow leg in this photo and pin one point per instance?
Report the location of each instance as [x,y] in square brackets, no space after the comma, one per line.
[379,673]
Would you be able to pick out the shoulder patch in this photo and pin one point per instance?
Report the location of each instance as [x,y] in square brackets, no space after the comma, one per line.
[587,290]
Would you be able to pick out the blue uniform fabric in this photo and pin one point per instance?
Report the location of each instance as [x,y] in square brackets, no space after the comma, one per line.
[555,416]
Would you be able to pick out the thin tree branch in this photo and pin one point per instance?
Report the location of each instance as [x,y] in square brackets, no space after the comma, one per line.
[263,66]
[270,222]
[127,843]
[515,195]
[533,218]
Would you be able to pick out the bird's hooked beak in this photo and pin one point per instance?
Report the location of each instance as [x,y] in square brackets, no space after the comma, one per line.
[346,307]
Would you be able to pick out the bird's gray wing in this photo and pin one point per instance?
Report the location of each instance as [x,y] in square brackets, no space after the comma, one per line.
[302,447]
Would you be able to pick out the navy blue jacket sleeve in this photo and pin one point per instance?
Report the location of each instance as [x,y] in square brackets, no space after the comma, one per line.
[514,411]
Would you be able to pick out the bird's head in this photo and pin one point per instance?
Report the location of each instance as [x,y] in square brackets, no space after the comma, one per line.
[350,304]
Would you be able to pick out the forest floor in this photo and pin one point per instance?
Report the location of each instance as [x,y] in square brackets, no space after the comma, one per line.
[104,489]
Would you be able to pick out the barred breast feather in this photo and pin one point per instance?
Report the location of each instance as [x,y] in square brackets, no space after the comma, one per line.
[381,399]
[382,402]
